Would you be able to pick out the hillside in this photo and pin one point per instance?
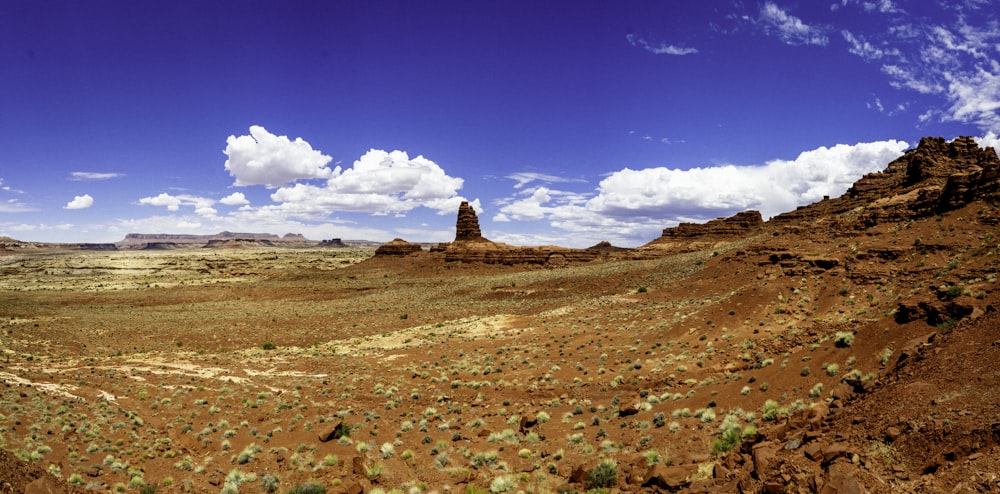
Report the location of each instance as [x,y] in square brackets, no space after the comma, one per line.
[848,346]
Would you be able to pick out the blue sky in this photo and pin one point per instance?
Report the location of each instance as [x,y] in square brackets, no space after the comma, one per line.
[563,122]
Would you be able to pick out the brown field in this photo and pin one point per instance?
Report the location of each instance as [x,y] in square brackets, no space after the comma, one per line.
[720,369]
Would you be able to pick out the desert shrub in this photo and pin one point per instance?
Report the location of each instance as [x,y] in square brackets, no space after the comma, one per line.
[843,339]
[732,435]
[885,355]
[605,474]
[770,410]
[816,391]
[269,483]
[503,483]
[308,488]
[951,292]
[485,458]
[268,345]
[659,419]
[374,470]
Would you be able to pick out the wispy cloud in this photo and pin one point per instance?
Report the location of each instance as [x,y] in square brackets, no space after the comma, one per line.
[790,29]
[525,178]
[956,58]
[90,176]
[660,48]
[862,47]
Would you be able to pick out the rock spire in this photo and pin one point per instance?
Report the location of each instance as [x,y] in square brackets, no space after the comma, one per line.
[467,226]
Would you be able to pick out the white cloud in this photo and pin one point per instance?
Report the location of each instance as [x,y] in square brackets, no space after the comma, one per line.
[975,97]
[88,176]
[235,199]
[991,139]
[262,158]
[80,202]
[789,28]
[632,205]
[865,49]
[659,48]
[379,182]
[525,178]
[956,59]
[202,205]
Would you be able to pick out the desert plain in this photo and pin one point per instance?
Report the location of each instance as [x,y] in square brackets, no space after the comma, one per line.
[847,346]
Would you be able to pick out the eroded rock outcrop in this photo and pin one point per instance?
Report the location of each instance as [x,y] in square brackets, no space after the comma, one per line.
[467,226]
[738,225]
[935,177]
[694,236]
[397,248]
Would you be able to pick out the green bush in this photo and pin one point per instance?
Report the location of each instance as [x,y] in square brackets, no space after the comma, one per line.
[308,488]
[843,339]
[605,474]
[269,483]
[268,345]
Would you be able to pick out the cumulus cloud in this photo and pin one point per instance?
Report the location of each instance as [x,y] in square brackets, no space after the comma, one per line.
[379,182]
[631,204]
[263,158]
[80,202]
[235,199]
[658,48]
[201,205]
[90,176]
[788,28]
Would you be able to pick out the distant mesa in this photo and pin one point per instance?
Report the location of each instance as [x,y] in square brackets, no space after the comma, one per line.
[226,239]
[334,243]
[238,243]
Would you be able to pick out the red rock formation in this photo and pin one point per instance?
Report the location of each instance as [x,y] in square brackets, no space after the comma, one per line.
[471,246]
[397,248]
[935,177]
[687,237]
[467,226]
[738,225]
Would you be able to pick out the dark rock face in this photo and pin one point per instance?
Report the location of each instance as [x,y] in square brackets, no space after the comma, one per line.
[467,226]
[397,248]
